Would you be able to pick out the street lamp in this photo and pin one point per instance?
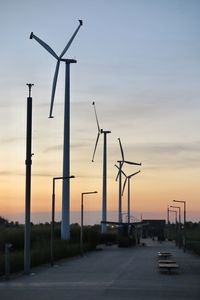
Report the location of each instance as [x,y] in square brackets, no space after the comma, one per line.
[81,233]
[179,226]
[177,236]
[184,203]
[179,212]
[53,215]
[170,210]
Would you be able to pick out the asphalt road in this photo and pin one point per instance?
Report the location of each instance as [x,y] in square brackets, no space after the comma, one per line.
[113,273]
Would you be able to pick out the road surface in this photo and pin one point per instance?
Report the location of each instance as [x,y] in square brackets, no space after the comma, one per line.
[111,274]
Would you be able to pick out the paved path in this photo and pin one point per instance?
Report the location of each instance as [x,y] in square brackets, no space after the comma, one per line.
[114,273]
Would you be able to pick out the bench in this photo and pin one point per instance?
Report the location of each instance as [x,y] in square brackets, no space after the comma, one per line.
[168,266]
[166,261]
[164,254]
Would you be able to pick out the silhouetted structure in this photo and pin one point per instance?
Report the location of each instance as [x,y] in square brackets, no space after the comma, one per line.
[154,229]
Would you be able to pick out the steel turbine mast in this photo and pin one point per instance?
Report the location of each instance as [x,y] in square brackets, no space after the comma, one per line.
[128,179]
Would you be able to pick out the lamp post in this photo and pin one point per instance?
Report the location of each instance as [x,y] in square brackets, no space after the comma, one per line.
[53,215]
[81,232]
[177,235]
[170,210]
[179,214]
[179,225]
[168,215]
[184,220]
[28,163]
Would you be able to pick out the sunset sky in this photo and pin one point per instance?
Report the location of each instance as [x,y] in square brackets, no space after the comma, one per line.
[139,60]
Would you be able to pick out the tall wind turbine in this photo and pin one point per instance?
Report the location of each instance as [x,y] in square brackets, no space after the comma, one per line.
[119,175]
[128,179]
[104,192]
[65,225]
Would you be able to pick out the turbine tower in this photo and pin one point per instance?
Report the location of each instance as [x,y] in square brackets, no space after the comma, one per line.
[104,191]
[65,225]
[119,175]
[128,179]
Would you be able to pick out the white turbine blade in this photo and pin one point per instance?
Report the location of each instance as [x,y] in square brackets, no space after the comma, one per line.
[132,163]
[124,186]
[99,130]
[95,147]
[71,40]
[43,44]
[54,88]
[134,174]
[122,152]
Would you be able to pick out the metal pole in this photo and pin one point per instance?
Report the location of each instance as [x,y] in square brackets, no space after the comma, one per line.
[81,231]
[7,260]
[184,246]
[28,163]
[65,224]
[177,241]
[168,215]
[104,198]
[128,215]
[120,194]
[180,235]
[52,224]
[81,236]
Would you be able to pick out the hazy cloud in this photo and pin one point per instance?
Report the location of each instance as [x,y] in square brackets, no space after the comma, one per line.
[11,140]
[60,147]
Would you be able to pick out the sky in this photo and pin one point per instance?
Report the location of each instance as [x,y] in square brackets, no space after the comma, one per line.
[139,61]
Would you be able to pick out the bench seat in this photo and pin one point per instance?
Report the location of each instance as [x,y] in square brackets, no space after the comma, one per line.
[168,266]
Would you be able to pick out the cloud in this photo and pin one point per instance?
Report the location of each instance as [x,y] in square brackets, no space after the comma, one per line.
[44,175]
[166,148]
[59,147]
[6,173]
[53,148]
[11,140]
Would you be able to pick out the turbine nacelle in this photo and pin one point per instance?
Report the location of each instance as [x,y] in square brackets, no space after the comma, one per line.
[105,131]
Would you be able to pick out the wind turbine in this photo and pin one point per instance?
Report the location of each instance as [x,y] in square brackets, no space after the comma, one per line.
[104,192]
[128,179]
[119,175]
[65,225]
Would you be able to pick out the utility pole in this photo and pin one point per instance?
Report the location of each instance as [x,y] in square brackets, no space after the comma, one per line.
[28,163]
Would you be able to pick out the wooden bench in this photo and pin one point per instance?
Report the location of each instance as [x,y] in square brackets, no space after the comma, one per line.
[164,254]
[166,261]
[168,266]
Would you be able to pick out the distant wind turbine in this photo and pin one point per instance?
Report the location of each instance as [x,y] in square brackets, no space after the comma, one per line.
[65,225]
[128,179]
[119,175]
[104,192]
